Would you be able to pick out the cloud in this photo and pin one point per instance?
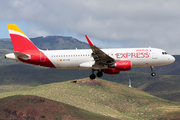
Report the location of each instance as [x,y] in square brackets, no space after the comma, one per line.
[129,23]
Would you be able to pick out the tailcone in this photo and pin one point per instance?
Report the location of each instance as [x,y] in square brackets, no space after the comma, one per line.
[11,56]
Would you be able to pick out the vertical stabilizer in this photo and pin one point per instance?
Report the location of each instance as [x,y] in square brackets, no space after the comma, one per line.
[19,40]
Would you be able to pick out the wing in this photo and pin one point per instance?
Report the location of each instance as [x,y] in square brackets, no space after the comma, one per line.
[99,56]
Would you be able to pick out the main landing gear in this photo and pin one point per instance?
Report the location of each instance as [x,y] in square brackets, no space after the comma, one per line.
[93,76]
[100,73]
[152,71]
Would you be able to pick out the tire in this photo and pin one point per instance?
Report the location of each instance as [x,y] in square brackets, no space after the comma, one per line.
[92,76]
[99,74]
[153,74]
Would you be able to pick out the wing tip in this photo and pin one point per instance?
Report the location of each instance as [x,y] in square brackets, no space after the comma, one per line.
[89,41]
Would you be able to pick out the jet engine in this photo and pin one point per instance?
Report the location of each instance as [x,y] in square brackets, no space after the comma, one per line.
[121,65]
[111,71]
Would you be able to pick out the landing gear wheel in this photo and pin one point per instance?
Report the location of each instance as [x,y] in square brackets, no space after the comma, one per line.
[152,70]
[92,76]
[153,74]
[99,74]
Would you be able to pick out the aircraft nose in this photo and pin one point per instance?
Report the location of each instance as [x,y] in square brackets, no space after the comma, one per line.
[172,59]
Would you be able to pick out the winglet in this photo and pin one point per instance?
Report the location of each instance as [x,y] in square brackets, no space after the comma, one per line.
[89,41]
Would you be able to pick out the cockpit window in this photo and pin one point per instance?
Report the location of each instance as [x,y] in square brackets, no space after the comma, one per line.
[164,53]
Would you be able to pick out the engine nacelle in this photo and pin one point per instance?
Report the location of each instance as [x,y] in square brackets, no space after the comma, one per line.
[121,65]
[111,71]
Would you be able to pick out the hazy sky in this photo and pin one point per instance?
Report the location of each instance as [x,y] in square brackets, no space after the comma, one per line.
[109,23]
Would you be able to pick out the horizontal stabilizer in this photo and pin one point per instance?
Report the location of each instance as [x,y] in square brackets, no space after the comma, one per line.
[21,55]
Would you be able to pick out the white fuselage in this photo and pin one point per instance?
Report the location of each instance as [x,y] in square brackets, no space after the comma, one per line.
[82,59]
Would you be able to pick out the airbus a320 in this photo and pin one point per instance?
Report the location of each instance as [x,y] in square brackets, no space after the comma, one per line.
[107,61]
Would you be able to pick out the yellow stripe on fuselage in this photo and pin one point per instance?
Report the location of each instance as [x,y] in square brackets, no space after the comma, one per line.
[14,27]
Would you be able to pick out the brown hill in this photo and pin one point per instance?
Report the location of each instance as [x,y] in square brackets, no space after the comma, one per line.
[31,107]
[34,107]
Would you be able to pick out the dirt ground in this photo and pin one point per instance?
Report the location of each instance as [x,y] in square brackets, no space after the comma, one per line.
[33,108]
[88,81]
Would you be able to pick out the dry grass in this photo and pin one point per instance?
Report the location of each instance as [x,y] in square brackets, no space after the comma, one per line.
[110,99]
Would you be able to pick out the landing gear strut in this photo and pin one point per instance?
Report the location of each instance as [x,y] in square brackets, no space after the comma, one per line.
[93,76]
[152,71]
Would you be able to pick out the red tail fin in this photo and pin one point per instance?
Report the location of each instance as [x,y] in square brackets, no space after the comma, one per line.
[19,40]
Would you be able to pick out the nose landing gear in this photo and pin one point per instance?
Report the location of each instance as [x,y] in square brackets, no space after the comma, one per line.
[153,74]
[152,70]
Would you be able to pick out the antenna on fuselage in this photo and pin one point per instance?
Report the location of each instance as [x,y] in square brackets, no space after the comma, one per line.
[130,83]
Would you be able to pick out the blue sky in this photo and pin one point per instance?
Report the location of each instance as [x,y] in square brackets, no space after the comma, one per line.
[4,31]
[113,23]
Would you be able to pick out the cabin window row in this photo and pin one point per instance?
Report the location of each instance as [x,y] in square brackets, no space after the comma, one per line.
[69,55]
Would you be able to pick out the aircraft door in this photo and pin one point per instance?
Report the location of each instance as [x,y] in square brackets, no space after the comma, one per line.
[42,57]
[154,54]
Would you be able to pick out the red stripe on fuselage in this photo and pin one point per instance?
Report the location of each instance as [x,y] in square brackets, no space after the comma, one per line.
[37,60]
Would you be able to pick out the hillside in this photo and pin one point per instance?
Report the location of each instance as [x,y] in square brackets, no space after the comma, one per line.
[20,76]
[50,42]
[35,108]
[16,76]
[58,43]
[99,97]
[166,87]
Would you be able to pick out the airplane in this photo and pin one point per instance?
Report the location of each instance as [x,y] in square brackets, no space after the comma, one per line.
[107,61]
